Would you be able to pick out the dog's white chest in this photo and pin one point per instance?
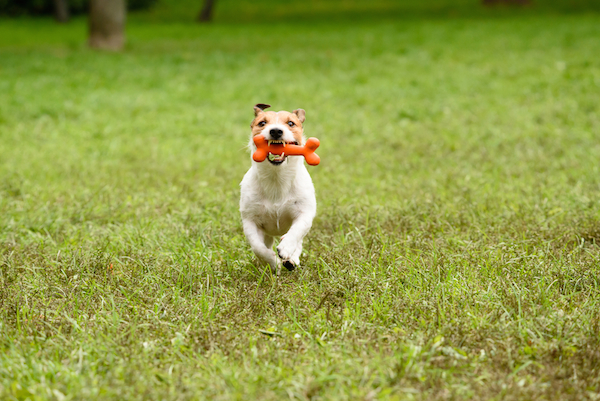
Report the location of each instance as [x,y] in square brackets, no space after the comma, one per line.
[275,219]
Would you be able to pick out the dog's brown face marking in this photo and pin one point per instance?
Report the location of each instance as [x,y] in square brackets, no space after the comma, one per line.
[293,120]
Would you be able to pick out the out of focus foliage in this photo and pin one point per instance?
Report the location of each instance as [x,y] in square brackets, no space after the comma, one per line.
[46,7]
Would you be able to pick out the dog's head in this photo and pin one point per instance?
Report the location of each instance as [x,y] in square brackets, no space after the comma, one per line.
[278,127]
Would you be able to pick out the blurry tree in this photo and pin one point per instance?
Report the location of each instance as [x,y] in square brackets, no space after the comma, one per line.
[61,10]
[51,7]
[107,24]
[207,11]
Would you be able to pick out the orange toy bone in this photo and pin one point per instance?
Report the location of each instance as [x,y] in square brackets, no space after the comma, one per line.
[308,151]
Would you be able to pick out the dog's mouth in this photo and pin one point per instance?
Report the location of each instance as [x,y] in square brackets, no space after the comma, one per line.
[278,159]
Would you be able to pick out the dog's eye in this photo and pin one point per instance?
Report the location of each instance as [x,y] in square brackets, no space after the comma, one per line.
[262,123]
[291,123]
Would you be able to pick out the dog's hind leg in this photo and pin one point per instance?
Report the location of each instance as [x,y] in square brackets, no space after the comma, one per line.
[269,241]
[258,242]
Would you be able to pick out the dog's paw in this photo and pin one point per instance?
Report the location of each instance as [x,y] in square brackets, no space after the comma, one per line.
[287,253]
[289,264]
[286,249]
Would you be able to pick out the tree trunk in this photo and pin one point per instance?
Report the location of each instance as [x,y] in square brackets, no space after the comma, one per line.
[107,24]
[61,11]
[206,12]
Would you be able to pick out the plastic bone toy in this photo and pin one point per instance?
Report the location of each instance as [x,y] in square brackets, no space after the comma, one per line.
[308,150]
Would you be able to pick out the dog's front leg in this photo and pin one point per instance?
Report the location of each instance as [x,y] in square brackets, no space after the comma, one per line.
[256,237]
[290,247]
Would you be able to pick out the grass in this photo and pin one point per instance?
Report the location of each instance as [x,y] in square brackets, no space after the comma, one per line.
[455,254]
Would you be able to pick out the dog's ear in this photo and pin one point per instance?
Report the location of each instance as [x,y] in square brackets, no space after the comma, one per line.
[258,108]
[301,114]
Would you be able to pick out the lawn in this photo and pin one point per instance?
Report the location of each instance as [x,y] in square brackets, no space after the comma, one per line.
[456,249]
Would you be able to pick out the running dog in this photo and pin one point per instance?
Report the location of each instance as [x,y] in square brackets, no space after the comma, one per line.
[277,195]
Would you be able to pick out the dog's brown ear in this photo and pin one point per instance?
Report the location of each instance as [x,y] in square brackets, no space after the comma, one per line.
[258,108]
[301,114]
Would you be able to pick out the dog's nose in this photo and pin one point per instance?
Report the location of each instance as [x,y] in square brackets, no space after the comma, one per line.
[276,133]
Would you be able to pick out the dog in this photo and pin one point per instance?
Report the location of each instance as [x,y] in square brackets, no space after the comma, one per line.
[277,195]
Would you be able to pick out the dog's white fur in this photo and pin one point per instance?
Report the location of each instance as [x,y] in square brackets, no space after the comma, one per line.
[277,200]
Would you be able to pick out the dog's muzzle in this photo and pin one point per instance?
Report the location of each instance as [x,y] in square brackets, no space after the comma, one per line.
[278,159]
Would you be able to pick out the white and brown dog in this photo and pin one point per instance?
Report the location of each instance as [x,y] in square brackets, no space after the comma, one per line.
[277,195]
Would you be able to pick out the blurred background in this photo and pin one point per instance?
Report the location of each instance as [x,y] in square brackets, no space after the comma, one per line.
[245,10]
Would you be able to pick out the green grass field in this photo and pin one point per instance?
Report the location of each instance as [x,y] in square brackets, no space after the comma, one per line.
[456,250]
